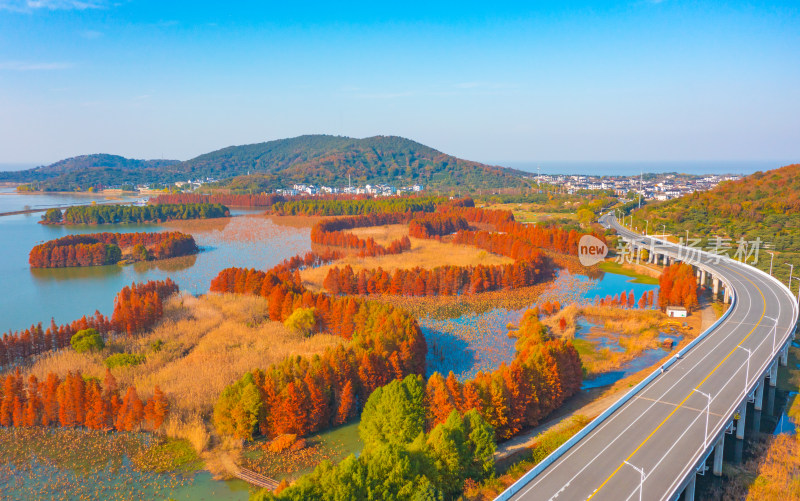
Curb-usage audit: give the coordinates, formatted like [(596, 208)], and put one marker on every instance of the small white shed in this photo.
[(676, 311)]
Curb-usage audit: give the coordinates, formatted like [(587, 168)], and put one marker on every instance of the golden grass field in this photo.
[(207, 343), (635, 331), (531, 212), (423, 253)]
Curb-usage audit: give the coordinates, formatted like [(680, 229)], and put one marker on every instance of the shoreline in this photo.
[(45, 209)]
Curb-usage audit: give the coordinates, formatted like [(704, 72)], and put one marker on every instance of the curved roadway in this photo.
[(661, 430)]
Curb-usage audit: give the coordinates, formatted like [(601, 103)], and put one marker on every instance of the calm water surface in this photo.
[(35, 295), (11, 201), (479, 342), (472, 342)]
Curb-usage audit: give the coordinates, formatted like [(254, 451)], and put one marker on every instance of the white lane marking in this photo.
[(596, 432), (672, 404), (757, 373), (696, 456), (560, 491)]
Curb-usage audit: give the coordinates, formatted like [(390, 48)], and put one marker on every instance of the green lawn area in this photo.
[(638, 278)]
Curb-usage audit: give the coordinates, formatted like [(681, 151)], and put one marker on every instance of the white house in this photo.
[(676, 311)]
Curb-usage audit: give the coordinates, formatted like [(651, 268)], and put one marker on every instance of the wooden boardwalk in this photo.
[(256, 479)]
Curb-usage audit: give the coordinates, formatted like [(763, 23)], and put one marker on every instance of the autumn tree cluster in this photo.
[(476, 215), (107, 214), (227, 199), (400, 460), (678, 287), (139, 306), (74, 250), (346, 205), (442, 280), (18, 346), (544, 372), (302, 395), (519, 241), (433, 225), (627, 300), (76, 401), (97, 249), (330, 232), (309, 260)]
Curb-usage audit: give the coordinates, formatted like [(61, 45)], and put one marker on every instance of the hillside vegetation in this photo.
[(93, 170), (315, 159), (330, 159), (764, 205)]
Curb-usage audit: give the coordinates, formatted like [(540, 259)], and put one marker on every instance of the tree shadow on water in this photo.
[(448, 352)]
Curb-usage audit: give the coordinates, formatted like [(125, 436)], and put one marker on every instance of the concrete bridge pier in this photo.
[(699, 282), (784, 358), (770, 401), (715, 285), (719, 449), (773, 374), (756, 421), (742, 420), (759, 404), (688, 491), (703, 278)]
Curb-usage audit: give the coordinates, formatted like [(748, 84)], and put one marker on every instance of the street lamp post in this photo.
[(774, 332), (708, 412), (771, 259), (791, 271), (664, 231), (687, 237), (747, 373), (646, 226), (798, 289), (641, 478)]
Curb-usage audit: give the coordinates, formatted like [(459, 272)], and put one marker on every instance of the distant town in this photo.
[(649, 186)]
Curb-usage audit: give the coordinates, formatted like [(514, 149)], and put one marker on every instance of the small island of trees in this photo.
[(98, 249), (121, 214)]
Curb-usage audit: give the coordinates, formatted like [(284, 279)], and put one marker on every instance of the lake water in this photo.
[(11, 201), (471, 342), (479, 342), (35, 295)]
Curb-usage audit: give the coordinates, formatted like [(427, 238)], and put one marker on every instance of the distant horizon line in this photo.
[(625, 167)]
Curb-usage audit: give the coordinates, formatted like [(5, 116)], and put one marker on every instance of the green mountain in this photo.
[(329, 160), (763, 207), (91, 170), (315, 159)]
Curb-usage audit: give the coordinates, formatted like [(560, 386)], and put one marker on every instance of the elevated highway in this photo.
[(654, 440)]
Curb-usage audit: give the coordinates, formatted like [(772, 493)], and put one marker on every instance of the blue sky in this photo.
[(537, 81)]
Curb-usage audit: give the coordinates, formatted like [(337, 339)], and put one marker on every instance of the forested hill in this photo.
[(764, 205), (328, 160), (314, 159), (91, 170)]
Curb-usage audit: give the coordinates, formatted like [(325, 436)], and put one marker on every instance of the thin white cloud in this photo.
[(33, 5), (91, 34), (29, 66)]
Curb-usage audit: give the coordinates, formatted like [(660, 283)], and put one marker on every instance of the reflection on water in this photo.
[(606, 340), (479, 342), (170, 265), (11, 201), (77, 274), (247, 240)]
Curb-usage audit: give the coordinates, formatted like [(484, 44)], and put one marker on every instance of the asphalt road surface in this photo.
[(662, 430)]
